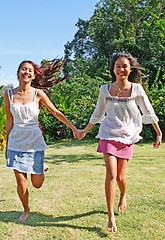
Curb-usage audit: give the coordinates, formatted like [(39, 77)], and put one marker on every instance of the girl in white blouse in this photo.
[(117, 111), (25, 143)]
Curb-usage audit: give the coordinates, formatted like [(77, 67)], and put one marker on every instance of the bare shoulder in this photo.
[(6, 94), (44, 99), (10, 91), (6, 100), (41, 94)]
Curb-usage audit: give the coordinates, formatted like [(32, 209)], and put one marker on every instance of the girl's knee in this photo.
[(120, 178), (111, 176), (37, 185), (37, 180)]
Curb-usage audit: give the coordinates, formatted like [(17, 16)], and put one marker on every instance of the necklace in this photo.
[(120, 90)]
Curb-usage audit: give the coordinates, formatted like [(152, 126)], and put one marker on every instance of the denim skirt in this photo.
[(26, 162)]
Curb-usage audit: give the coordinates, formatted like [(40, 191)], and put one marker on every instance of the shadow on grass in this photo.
[(73, 143), (71, 158), (41, 220)]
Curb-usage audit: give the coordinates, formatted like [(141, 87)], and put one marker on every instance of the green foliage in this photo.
[(2, 90), (156, 95), (134, 26), (2, 127), (76, 99), (2, 120), (2, 111), (2, 142)]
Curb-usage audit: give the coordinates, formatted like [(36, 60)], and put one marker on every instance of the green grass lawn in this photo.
[(71, 204)]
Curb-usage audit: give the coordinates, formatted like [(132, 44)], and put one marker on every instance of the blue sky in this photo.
[(36, 30)]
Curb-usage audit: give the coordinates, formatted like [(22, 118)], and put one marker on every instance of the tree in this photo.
[(134, 26)]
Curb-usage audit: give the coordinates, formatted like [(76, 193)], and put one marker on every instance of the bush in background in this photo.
[(156, 95), (77, 98)]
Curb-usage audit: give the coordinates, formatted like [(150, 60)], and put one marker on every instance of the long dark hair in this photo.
[(45, 74), (135, 74)]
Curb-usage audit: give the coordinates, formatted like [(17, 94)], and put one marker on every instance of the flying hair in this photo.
[(46, 74)]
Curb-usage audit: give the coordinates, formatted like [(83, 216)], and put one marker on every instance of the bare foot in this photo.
[(111, 224), (46, 168), (24, 217), (122, 204)]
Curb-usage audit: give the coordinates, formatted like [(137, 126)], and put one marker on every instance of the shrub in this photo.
[(76, 99), (156, 95)]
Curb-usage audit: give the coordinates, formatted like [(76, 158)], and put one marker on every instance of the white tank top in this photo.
[(25, 135)]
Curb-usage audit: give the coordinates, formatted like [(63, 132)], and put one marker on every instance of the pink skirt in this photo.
[(117, 149)]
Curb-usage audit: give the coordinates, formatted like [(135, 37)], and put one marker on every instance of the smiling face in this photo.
[(122, 68), (26, 72)]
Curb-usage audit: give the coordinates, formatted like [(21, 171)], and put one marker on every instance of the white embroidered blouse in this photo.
[(25, 135), (120, 117)]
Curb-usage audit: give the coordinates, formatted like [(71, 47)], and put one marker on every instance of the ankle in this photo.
[(27, 209)]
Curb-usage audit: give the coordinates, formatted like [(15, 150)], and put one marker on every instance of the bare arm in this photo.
[(88, 127), (43, 98), (159, 135), (82, 133), (9, 118)]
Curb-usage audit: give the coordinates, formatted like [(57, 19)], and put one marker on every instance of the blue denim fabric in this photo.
[(26, 162)]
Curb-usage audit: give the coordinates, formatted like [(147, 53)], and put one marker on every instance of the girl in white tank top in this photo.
[(25, 143)]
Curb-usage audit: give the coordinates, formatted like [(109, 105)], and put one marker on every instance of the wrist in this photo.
[(73, 128), (85, 131)]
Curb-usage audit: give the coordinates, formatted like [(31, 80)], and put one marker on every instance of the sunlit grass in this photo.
[(71, 204)]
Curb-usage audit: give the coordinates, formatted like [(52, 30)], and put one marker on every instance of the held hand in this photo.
[(78, 134), (82, 134), (75, 132), (158, 141)]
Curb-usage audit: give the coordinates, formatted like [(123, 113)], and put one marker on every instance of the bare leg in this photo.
[(110, 183), (23, 194), (37, 180), (122, 183)]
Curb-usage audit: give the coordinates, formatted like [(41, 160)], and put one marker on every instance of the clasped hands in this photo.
[(80, 134)]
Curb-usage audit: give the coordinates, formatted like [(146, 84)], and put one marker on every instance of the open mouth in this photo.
[(26, 76)]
